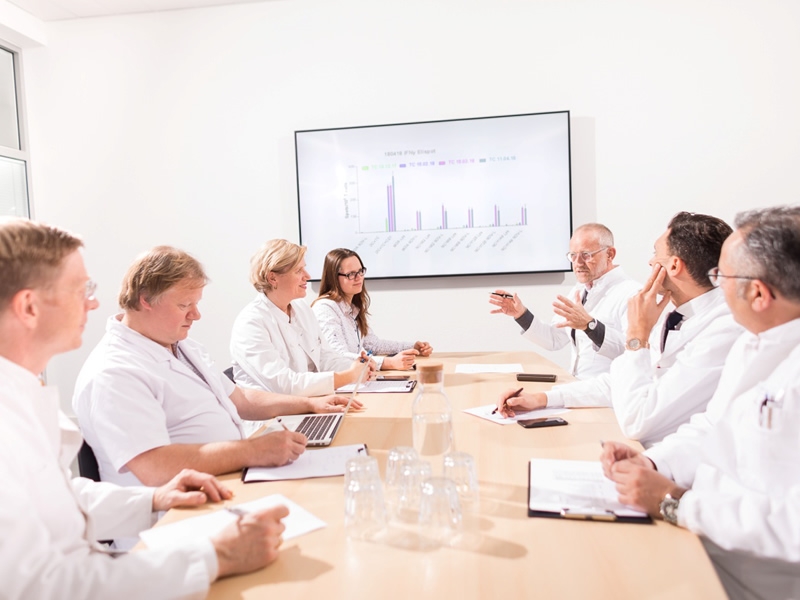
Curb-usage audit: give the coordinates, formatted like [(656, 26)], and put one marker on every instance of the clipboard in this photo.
[(576, 490)]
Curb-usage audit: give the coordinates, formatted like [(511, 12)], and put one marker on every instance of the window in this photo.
[(13, 153)]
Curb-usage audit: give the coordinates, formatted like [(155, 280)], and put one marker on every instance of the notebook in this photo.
[(320, 429)]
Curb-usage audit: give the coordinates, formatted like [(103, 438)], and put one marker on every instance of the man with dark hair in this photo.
[(670, 371), (51, 522), (730, 475)]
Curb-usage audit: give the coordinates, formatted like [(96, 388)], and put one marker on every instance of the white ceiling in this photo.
[(59, 10)]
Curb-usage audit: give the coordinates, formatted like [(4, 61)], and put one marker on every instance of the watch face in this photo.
[(634, 344), (592, 324), (669, 509)]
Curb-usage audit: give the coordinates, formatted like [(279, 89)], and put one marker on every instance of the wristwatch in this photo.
[(636, 344), (669, 509), (592, 325)]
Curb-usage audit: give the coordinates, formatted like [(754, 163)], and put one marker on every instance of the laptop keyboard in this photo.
[(316, 427)]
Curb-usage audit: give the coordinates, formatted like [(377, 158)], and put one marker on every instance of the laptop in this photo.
[(320, 429)]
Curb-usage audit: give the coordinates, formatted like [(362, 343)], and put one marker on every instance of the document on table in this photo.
[(485, 412), (575, 489), (472, 369), (299, 522), (379, 387), (324, 462)]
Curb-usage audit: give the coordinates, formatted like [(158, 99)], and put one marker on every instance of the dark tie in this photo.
[(583, 301), (673, 319)]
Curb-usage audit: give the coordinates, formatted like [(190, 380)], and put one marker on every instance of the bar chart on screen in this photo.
[(436, 201)]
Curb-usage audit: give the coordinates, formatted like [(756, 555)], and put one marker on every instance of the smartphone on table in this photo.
[(542, 422)]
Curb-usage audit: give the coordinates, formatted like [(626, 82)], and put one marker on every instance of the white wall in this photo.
[(178, 128)]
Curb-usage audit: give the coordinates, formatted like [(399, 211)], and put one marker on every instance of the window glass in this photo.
[(13, 188), (9, 123)]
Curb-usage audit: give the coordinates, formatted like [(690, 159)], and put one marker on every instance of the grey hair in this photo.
[(772, 247), (603, 233)]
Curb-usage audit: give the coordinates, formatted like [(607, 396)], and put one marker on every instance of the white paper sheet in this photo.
[(378, 387), (506, 368), (324, 462), (299, 522), (485, 412), (574, 484)]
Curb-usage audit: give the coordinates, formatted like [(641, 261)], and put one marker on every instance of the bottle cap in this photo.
[(431, 372)]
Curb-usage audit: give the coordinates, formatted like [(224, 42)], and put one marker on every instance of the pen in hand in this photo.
[(502, 295), (505, 402), (285, 428)]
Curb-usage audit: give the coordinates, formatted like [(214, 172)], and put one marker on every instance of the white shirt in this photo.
[(50, 522), (743, 475), (653, 392), (337, 320), (133, 395), (607, 302), (273, 353)]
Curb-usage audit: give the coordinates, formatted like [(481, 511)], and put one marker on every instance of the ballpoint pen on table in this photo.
[(505, 402)]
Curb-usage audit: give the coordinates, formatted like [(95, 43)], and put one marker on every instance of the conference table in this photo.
[(502, 552)]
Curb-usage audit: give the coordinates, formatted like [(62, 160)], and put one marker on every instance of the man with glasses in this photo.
[(731, 474), (51, 522), (672, 362), (591, 318)]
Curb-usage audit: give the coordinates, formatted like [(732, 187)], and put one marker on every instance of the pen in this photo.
[(502, 295), (282, 425), (505, 402), (239, 512)]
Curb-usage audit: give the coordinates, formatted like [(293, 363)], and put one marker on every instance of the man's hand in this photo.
[(277, 449), (644, 307), (424, 348), (402, 361), (575, 316), (615, 451), (641, 487), (512, 307), (189, 488), (507, 403), (250, 543), (333, 403)]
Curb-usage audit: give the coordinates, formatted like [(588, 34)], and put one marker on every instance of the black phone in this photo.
[(543, 377), (392, 378), (542, 422)]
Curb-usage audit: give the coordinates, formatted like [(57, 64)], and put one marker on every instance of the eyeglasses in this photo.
[(714, 277), (354, 274), (89, 290), (585, 256)]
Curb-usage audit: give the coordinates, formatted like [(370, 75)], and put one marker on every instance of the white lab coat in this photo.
[(50, 522), (653, 392), (608, 303), (744, 477), (272, 353), (133, 395), (337, 320)]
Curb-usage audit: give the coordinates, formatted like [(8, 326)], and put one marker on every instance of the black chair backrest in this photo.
[(87, 463), (229, 373)]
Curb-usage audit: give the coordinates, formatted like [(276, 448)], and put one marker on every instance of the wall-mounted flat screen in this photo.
[(460, 197)]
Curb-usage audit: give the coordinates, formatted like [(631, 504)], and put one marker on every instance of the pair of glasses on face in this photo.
[(584, 256), (715, 277), (354, 274)]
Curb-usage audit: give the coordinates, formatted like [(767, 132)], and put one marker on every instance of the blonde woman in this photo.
[(276, 343), (342, 309)]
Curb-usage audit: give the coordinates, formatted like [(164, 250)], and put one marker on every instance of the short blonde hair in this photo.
[(155, 272), (31, 255), (276, 256)]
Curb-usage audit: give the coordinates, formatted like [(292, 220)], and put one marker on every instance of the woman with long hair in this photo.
[(342, 309)]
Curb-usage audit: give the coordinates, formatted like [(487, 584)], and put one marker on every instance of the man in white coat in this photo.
[(672, 362), (730, 474), (592, 319), (50, 522), (150, 401)]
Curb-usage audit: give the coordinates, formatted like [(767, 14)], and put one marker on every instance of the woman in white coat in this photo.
[(276, 343), (342, 310)]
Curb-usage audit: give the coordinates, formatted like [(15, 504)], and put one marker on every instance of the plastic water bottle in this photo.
[(432, 418)]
